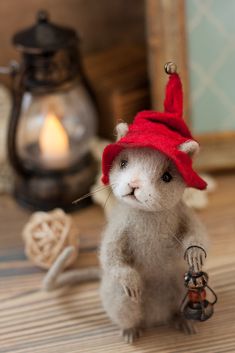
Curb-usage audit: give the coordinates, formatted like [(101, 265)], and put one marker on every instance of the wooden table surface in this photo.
[(72, 319)]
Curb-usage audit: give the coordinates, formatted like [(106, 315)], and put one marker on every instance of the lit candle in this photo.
[(53, 141)]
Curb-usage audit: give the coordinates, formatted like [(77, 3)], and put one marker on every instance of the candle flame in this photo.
[(53, 140)]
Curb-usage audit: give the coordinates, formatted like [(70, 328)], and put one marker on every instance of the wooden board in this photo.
[(119, 80), (72, 319), (100, 24), (217, 151), (166, 39)]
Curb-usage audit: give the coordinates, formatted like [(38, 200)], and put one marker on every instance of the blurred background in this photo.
[(69, 71), (117, 59)]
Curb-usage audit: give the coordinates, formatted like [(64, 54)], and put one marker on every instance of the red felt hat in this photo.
[(162, 131)]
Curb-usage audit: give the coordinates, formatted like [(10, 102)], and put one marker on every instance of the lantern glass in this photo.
[(55, 129)]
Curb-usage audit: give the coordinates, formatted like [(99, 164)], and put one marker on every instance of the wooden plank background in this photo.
[(72, 319), (101, 24)]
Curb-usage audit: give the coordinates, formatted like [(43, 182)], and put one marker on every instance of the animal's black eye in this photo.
[(123, 163), (166, 177)]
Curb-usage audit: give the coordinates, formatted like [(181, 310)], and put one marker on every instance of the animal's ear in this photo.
[(190, 147), (121, 130)]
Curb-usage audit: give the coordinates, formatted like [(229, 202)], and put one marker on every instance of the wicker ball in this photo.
[(46, 235)]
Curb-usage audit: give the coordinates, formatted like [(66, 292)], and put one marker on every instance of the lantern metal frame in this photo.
[(51, 63)]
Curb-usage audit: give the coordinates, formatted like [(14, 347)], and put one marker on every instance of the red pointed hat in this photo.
[(162, 131)]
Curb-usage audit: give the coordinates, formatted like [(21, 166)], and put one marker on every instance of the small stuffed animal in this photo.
[(150, 228)]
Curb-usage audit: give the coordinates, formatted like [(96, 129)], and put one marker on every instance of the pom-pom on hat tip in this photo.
[(170, 68)]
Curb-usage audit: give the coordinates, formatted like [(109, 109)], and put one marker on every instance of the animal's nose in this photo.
[(134, 184)]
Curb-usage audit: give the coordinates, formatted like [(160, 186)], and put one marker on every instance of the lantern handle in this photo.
[(17, 93), (12, 69), (215, 295)]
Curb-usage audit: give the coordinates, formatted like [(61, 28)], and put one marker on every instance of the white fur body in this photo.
[(144, 242)]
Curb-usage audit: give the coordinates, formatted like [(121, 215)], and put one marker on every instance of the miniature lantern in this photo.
[(195, 306)]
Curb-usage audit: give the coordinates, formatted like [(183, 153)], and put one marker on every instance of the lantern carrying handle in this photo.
[(215, 296), (17, 93), (12, 69), (194, 246)]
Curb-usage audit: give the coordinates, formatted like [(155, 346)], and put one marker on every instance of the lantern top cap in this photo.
[(44, 36)]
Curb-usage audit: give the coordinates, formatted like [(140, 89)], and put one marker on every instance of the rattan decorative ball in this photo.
[(46, 235)]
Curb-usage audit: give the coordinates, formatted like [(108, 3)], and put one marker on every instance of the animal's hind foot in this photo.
[(184, 325), (131, 334)]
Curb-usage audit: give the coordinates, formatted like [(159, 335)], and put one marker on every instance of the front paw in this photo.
[(195, 256), (131, 284)]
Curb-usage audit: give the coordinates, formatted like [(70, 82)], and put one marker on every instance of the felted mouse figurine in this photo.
[(150, 228)]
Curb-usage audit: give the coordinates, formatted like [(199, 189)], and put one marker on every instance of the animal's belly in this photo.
[(160, 260), (162, 296)]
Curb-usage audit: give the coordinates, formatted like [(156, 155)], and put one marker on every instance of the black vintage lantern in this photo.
[(53, 119), (195, 305)]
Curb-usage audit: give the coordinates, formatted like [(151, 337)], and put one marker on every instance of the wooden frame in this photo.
[(166, 41)]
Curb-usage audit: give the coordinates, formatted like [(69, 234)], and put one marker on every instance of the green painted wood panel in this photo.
[(211, 49)]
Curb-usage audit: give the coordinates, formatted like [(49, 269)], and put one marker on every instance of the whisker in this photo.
[(106, 201), (100, 188)]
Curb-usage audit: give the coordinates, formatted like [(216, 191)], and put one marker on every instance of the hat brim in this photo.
[(182, 160)]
